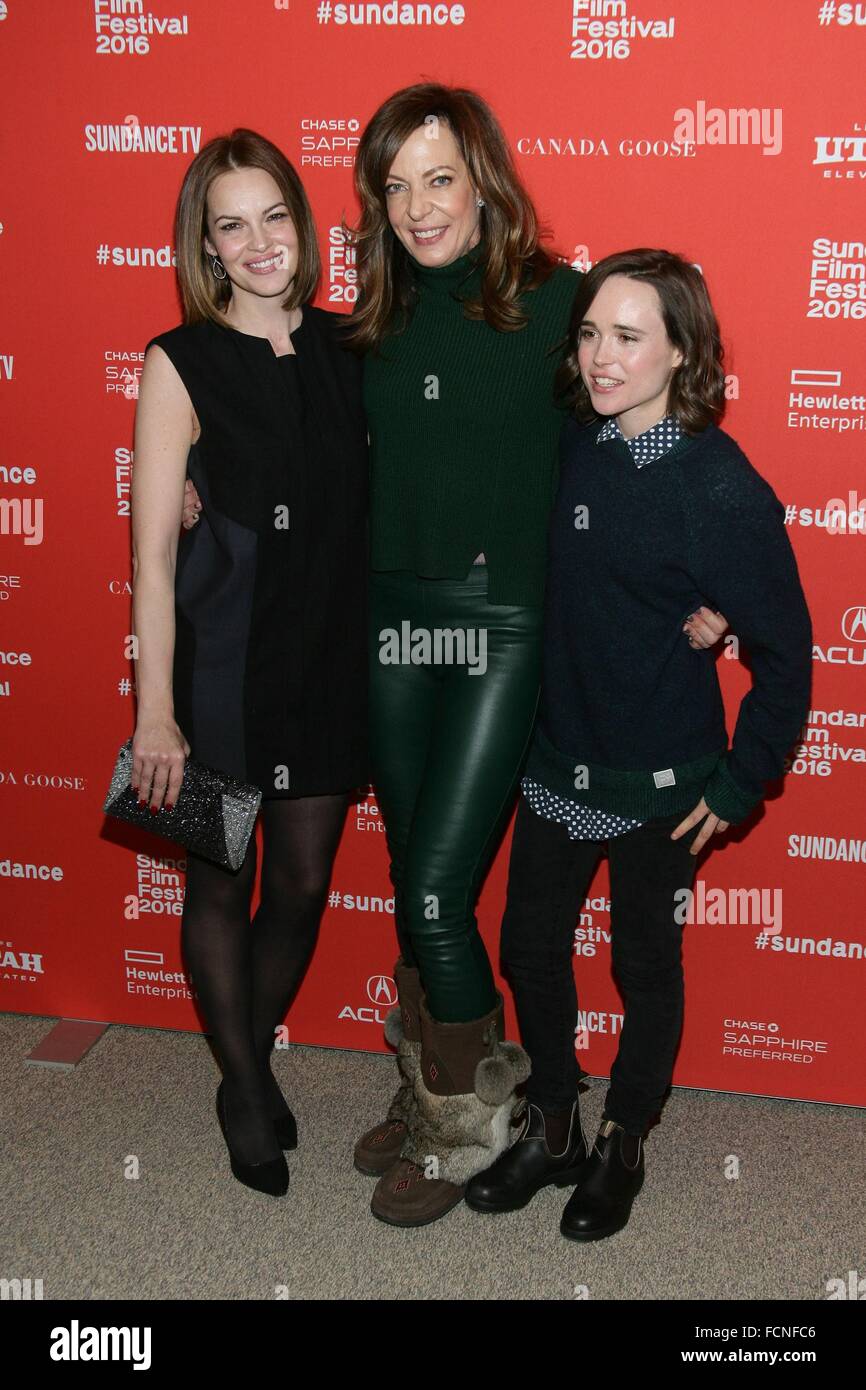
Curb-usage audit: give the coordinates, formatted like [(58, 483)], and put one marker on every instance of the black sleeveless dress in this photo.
[(270, 668)]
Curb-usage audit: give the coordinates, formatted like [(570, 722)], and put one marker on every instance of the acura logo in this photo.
[(381, 989), (854, 623)]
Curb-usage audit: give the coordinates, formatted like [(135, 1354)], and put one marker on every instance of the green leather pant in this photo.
[(448, 740)]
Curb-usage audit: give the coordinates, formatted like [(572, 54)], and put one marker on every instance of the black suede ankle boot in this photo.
[(608, 1184)]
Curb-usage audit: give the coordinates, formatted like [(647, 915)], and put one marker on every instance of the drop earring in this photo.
[(215, 261)]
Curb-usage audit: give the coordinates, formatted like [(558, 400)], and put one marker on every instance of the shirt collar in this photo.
[(650, 445)]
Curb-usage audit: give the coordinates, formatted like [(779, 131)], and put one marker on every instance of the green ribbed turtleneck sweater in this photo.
[(464, 434)]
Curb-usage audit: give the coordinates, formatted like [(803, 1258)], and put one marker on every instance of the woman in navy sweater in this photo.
[(658, 511)]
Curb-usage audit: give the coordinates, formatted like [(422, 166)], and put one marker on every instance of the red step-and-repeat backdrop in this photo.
[(732, 132)]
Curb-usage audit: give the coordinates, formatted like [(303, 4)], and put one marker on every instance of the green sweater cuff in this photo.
[(726, 798)]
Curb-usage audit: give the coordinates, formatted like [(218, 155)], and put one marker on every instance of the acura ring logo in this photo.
[(381, 989), (854, 623)]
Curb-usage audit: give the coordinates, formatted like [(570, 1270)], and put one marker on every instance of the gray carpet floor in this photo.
[(142, 1102)]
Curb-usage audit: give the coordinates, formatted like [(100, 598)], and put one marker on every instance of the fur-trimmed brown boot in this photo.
[(378, 1149), (460, 1120)]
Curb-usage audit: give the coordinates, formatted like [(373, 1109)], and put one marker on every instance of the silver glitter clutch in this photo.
[(214, 814)]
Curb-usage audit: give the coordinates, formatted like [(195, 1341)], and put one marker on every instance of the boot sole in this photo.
[(609, 1230), (421, 1221), (569, 1178)]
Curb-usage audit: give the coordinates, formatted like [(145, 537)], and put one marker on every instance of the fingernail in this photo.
[(141, 801), (169, 805), (153, 810)]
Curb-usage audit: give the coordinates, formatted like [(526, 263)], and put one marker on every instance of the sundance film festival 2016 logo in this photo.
[(342, 271), (604, 29), (125, 27), (159, 888), (123, 480), (837, 279), (819, 750)]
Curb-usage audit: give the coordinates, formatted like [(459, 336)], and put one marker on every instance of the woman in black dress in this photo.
[(251, 626)]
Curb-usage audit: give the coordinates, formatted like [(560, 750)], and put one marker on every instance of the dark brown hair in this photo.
[(696, 395), (204, 296), (514, 260)]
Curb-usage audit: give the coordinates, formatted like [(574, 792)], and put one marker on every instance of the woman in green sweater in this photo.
[(462, 316)]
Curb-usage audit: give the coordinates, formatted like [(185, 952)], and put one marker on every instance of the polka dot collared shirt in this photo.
[(587, 822), (650, 445), (581, 822)]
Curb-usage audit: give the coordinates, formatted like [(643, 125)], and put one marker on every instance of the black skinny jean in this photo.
[(548, 877)]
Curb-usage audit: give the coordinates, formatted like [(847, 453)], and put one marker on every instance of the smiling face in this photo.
[(430, 200), (625, 357), (252, 232)]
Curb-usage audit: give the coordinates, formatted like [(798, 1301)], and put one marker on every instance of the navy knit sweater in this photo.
[(631, 718)]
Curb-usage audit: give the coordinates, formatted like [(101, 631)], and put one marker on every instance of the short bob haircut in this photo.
[(696, 394), (514, 260), (203, 295)]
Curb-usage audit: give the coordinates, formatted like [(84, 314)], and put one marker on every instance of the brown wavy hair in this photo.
[(514, 260), (204, 296), (696, 395)]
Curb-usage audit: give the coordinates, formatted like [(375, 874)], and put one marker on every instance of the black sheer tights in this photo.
[(246, 973)]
